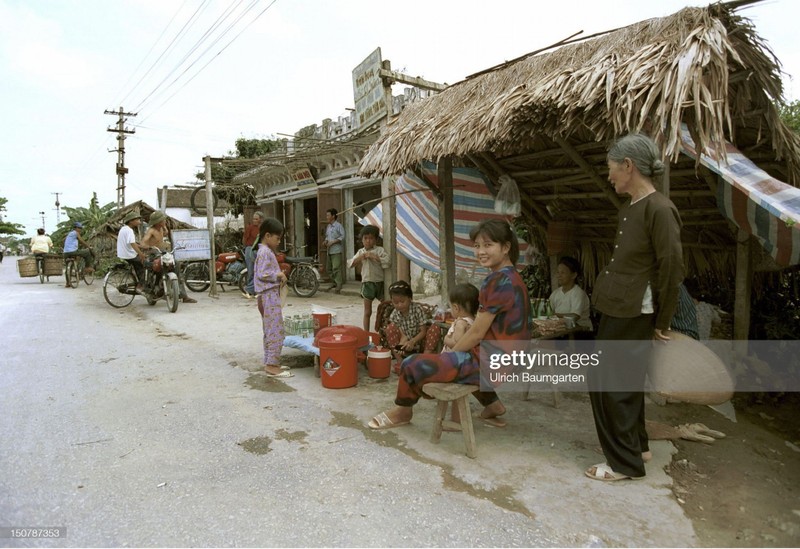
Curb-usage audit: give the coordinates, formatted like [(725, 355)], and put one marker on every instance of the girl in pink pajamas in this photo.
[(267, 279)]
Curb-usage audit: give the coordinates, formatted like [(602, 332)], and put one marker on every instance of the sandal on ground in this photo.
[(284, 367), (494, 421), (382, 421), (188, 300), (603, 472), (284, 373)]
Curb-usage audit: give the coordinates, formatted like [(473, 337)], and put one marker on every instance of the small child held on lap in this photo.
[(463, 306), (373, 260)]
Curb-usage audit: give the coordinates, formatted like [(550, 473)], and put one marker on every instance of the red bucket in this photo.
[(379, 363), (321, 320), (337, 361)]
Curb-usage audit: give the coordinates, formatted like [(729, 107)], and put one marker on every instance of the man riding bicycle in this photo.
[(72, 248), (128, 249)]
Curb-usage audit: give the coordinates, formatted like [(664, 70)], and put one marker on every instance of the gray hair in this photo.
[(258, 215), (641, 150)]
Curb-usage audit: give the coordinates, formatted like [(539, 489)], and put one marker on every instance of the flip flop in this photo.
[(703, 430), (494, 421), (284, 367), (603, 472), (284, 373), (382, 421)]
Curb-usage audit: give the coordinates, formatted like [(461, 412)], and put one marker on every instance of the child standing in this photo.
[(463, 306), (268, 279), (373, 260)]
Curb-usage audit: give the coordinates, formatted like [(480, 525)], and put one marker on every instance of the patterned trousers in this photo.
[(269, 305)]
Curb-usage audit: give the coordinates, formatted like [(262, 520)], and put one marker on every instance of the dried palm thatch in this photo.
[(705, 67)]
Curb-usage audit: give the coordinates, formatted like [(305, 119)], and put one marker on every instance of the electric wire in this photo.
[(214, 57), (120, 102)]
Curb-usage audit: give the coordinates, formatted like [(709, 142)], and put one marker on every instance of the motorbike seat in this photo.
[(292, 260)]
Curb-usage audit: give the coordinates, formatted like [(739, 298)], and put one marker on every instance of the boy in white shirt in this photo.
[(373, 260)]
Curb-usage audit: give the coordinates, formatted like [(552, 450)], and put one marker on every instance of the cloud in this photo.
[(34, 51)]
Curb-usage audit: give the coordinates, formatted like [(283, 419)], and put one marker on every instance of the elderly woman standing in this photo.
[(637, 294)]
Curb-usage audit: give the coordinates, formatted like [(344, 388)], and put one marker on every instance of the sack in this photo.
[(508, 201)]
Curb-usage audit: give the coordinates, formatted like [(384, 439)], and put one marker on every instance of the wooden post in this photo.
[(212, 271), (447, 255), (744, 275), (388, 206)]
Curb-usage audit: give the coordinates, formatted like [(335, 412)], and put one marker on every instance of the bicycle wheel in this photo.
[(72, 273), (305, 282), (119, 288), (243, 280), (171, 292), (196, 276), (200, 209), (88, 278)]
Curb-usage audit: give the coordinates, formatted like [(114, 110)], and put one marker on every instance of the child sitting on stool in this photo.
[(408, 325)]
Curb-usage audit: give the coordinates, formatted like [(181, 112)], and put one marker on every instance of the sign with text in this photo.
[(368, 90), (191, 244), (302, 176)]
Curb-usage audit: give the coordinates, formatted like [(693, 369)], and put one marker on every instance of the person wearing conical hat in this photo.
[(154, 238), (128, 249)]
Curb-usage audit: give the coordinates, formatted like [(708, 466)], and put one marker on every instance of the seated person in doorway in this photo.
[(373, 260), (154, 238), (408, 324), (128, 249), (41, 243), (72, 248), (463, 306), (569, 299)]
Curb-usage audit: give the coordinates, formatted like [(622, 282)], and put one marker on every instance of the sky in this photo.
[(259, 73)]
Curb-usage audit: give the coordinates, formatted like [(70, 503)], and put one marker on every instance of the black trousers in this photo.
[(619, 414)]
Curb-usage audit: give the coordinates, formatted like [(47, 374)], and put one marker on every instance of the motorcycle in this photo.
[(229, 267), (302, 274)]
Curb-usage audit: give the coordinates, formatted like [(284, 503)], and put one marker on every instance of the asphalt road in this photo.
[(138, 427)]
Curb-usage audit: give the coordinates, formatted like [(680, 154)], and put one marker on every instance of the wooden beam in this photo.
[(447, 238), (394, 76), (495, 165), (578, 159), (744, 277)]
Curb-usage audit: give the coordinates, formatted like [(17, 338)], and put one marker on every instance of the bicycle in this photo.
[(40, 266), (75, 270), (160, 280)]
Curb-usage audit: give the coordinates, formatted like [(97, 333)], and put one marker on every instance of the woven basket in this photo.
[(53, 266), (27, 267)]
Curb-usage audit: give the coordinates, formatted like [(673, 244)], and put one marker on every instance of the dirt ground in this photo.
[(743, 490)]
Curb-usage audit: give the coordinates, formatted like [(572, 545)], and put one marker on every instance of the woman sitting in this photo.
[(504, 317), (569, 300)]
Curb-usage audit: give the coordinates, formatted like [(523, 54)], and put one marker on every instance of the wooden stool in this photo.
[(456, 393)]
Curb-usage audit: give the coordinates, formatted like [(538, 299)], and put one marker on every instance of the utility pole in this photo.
[(43, 227), (58, 209), (120, 130)]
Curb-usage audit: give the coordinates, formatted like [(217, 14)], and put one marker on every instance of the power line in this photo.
[(212, 59)]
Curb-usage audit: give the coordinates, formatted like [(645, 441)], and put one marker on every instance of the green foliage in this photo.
[(5, 227), (790, 113), (222, 173), (92, 218)]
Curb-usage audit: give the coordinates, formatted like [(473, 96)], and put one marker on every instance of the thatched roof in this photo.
[(703, 66)]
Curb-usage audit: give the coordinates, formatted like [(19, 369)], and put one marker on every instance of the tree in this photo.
[(91, 218), (222, 173), (5, 227), (790, 113)]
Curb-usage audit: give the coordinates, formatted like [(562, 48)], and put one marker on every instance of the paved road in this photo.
[(138, 427)]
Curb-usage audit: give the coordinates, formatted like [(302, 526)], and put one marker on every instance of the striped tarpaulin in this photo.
[(418, 218), (754, 200)]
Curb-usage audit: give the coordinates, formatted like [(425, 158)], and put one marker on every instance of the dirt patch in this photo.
[(257, 445), (743, 490), (260, 382)]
